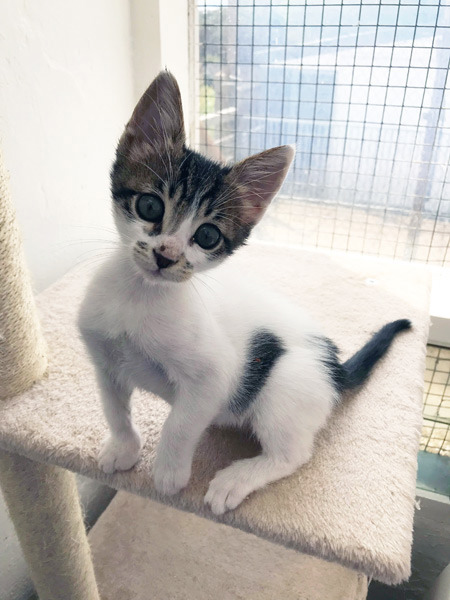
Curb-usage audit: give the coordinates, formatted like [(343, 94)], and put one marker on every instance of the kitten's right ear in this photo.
[(158, 117)]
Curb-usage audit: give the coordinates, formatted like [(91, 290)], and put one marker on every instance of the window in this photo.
[(362, 89)]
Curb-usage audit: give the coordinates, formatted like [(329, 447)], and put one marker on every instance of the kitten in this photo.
[(224, 353)]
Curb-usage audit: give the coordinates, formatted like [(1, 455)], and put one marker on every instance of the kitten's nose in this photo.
[(162, 261)]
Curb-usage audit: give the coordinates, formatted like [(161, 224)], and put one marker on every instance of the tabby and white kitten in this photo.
[(221, 352)]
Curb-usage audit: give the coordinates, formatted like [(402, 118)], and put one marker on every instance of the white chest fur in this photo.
[(173, 325)]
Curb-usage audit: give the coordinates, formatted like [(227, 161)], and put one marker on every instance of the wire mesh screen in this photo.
[(436, 402), (362, 89)]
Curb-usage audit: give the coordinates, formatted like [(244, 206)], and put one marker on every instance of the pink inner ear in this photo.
[(253, 208), (259, 178), (158, 116)]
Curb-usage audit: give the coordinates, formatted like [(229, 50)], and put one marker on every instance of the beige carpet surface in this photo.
[(143, 549), (354, 502)]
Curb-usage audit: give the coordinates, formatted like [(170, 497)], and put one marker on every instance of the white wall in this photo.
[(66, 90), (160, 40)]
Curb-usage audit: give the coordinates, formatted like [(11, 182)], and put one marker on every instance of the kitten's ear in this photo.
[(258, 179), (158, 116)]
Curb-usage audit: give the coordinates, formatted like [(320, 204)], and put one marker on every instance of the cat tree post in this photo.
[(42, 500)]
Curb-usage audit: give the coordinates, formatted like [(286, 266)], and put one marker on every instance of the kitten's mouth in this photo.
[(152, 272)]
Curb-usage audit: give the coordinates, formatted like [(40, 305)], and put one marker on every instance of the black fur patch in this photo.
[(200, 179), (357, 369), (330, 360), (157, 227), (265, 348), (123, 197), (359, 366)]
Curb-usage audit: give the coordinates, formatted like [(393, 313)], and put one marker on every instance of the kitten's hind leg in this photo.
[(232, 485), (286, 416)]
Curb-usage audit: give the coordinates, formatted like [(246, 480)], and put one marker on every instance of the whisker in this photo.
[(208, 287), (67, 243), (188, 154), (235, 222), (102, 228), (199, 295), (248, 184)]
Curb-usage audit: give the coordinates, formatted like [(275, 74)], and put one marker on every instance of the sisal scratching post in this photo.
[(42, 500), (22, 347), (43, 503)]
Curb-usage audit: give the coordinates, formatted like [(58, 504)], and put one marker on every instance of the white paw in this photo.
[(226, 491), (119, 454), (169, 480)]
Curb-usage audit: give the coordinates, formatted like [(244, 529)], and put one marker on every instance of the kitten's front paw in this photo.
[(119, 454), (170, 480), (227, 490)]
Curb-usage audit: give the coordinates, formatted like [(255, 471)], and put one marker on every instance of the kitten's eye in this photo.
[(150, 208), (207, 236)]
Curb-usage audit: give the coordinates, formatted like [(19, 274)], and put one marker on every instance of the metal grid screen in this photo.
[(436, 408), (362, 89)]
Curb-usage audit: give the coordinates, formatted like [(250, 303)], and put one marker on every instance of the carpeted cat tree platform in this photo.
[(344, 517)]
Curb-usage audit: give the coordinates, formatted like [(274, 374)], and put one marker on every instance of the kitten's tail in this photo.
[(357, 368)]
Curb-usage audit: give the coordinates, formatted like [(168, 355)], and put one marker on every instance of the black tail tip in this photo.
[(401, 325)]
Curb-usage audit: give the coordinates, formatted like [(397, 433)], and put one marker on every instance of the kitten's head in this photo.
[(178, 212)]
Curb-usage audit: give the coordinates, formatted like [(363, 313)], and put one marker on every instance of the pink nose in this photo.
[(171, 248), (162, 261)]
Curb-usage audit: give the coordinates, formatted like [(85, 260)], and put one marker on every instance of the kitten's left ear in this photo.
[(258, 179)]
